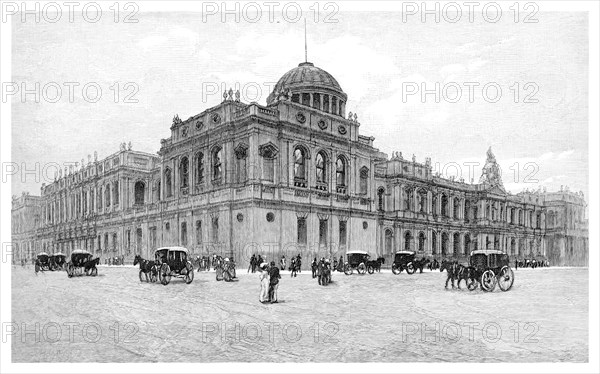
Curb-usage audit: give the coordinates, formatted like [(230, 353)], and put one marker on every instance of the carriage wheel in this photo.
[(472, 284), (370, 269), (142, 276), (165, 274), (361, 269), (219, 274), (410, 268), (347, 269), (189, 277), (506, 278), (395, 269), (153, 274), (488, 281)]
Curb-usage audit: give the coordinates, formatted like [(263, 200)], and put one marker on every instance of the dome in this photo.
[(307, 78)]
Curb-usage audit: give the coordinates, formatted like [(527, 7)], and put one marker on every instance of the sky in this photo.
[(178, 63)]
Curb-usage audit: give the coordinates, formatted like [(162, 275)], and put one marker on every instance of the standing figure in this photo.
[(299, 263), (273, 282), (293, 267), (264, 283), (252, 263), (282, 262), (313, 267)]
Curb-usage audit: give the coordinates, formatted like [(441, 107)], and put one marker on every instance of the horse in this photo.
[(466, 273), (451, 268), (376, 264), (420, 264), (91, 264), (145, 266)]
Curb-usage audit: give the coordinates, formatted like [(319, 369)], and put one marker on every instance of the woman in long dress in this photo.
[(264, 283)]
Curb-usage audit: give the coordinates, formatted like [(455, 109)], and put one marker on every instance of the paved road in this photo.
[(380, 317)]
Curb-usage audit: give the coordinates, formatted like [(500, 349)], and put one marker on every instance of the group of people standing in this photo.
[(269, 282)]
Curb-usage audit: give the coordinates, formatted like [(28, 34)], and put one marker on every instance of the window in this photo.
[(106, 242), (199, 168), (380, 200), (139, 238), (467, 210), (433, 243), (445, 244), (114, 242), (215, 224), (364, 181), (444, 206), (340, 172), (326, 103), (153, 236), (323, 232), (217, 164), (168, 183), (321, 168), (456, 244), (128, 239), (306, 99), (467, 244), (184, 175), (116, 193), (343, 232), (408, 241), (139, 192), (421, 242), (301, 230), (316, 101), (389, 241), (299, 164), (99, 243), (456, 207), (434, 201), (198, 232), (268, 169), (422, 199), (241, 161), (107, 195), (408, 197), (184, 234), (295, 98)]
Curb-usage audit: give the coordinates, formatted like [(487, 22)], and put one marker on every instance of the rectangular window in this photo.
[(268, 169), (114, 242), (152, 237), (128, 239), (342, 232), (184, 234), (215, 230), (301, 230), (139, 238), (323, 232), (198, 232)]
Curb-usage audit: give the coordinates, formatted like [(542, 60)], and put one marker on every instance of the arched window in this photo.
[(107, 195), (421, 241), (139, 192), (512, 246), (300, 167), (115, 193), (389, 238), (444, 206), (434, 200), (321, 168), (184, 174), (445, 243), (433, 243), (217, 163), (168, 183), (538, 220), (380, 200), (340, 172), (456, 244), (456, 208), (408, 196), (408, 241), (199, 168), (467, 247), (422, 200), (364, 180)]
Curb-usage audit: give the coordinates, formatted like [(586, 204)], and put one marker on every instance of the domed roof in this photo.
[(306, 75)]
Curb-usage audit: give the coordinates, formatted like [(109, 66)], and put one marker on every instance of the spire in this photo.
[(305, 45)]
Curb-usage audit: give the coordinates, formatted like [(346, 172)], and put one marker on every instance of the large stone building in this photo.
[(294, 176)]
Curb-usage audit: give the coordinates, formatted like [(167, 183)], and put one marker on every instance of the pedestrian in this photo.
[(313, 267), (293, 267), (273, 282), (299, 263), (252, 265), (282, 262), (264, 283)]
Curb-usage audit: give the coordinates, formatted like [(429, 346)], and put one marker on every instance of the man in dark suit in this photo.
[(273, 282)]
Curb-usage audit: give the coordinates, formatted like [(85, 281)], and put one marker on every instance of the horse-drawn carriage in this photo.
[(58, 261), (403, 260), (173, 262), (42, 262), (356, 260), (82, 262), (490, 267)]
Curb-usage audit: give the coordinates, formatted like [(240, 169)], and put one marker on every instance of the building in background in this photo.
[(294, 176)]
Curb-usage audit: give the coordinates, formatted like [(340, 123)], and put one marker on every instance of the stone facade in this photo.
[(291, 177)]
